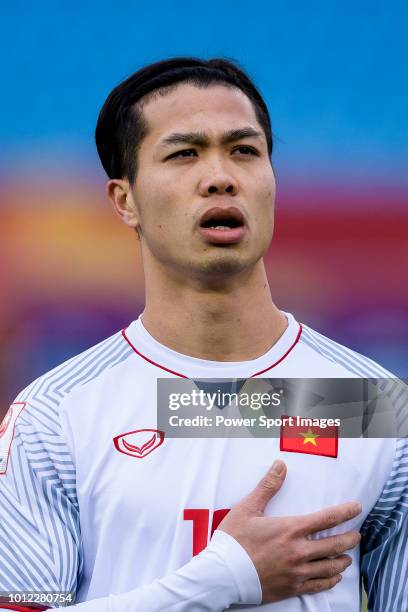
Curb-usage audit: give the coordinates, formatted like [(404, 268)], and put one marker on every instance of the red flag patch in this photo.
[(309, 439)]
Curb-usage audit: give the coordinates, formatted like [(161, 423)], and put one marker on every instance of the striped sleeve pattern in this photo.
[(40, 540), (384, 542)]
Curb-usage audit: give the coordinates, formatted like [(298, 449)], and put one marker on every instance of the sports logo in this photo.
[(139, 443), (7, 433)]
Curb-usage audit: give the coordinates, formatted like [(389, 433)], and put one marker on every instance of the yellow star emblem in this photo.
[(310, 437)]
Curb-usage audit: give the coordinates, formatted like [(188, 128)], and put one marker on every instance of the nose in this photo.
[(219, 183)]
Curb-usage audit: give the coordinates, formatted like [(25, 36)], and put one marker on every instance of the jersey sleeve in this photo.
[(220, 576), (384, 543), (40, 539), (40, 543)]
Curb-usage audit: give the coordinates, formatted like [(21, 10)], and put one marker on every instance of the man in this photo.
[(93, 499)]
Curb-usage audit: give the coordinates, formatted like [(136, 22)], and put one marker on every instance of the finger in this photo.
[(327, 568), (267, 487), (332, 546), (318, 585), (328, 517)]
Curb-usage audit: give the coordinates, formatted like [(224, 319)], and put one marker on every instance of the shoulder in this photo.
[(337, 360), (346, 359), (34, 423), (47, 392)]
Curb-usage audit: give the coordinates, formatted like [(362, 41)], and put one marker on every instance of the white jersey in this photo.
[(113, 518)]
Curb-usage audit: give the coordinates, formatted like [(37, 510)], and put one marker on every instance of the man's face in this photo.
[(205, 189)]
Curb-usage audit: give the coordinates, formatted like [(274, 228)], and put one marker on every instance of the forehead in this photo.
[(212, 109)]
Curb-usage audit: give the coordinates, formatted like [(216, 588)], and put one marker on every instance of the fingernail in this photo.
[(278, 467)]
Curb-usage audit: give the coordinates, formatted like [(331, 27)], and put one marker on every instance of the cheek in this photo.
[(158, 204), (263, 219), (265, 197)]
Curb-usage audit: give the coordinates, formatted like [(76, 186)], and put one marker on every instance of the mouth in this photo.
[(222, 225)]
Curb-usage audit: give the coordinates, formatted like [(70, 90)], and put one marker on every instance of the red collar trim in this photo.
[(150, 360), (162, 367), (283, 356)]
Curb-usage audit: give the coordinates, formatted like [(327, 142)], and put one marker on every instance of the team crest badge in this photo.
[(139, 443), (7, 433)]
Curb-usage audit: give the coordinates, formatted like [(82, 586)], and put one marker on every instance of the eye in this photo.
[(246, 150), (183, 154)]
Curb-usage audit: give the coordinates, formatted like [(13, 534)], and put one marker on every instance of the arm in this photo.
[(221, 575), (384, 544), (41, 546), (40, 541)]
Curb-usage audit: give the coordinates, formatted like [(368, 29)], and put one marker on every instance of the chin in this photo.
[(226, 264)]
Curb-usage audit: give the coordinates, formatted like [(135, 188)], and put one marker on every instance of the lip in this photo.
[(224, 236), (222, 212)]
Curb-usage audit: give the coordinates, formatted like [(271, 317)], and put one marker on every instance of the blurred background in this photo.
[(334, 77)]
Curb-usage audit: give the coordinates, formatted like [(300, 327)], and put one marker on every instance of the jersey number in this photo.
[(201, 520)]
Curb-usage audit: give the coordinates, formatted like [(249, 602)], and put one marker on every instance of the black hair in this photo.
[(121, 127)]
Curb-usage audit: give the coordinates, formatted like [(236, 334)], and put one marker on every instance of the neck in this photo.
[(226, 320)]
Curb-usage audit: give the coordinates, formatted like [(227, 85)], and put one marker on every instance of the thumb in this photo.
[(266, 488)]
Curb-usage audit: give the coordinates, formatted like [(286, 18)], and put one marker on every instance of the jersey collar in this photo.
[(176, 364)]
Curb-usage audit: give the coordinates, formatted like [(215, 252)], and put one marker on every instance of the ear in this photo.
[(120, 194)]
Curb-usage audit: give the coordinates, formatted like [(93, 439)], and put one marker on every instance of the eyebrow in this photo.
[(201, 139)]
